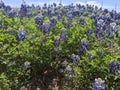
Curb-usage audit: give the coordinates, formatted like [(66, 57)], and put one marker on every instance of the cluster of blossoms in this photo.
[(63, 34), (58, 39), (112, 28), (83, 46), (99, 84), (74, 59), (53, 20), (21, 34), (114, 66), (100, 28), (2, 5), (67, 70), (23, 9), (81, 21), (46, 27), (39, 21), (10, 30)]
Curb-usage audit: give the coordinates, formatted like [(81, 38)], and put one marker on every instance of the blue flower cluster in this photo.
[(9, 30), (114, 66), (21, 34), (46, 27), (112, 29), (83, 46), (2, 5), (98, 84), (74, 59), (39, 21), (81, 21), (63, 34)]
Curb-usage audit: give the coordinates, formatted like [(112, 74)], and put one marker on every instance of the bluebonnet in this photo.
[(66, 24), (89, 31), (84, 42), (98, 84), (10, 30), (21, 34), (63, 34), (81, 21), (46, 27), (2, 5), (114, 66), (74, 59), (54, 4), (100, 24), (57, 41), (83, 46), (12, 13), (23, 10), (53, 20), (7, 9), (112, 28), (59, 16), (45, 6), (100, 28), (75, 13), (105, 11), (39, 20), (70, 17), (69, 72), (44, 12), (86, 14), (27, 65)]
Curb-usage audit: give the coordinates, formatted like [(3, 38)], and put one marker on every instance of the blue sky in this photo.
[(110, 4)]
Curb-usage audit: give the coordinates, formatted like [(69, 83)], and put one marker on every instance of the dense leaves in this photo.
[(77, 41)]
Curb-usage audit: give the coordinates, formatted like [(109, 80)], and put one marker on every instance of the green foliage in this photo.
[(39, 51)]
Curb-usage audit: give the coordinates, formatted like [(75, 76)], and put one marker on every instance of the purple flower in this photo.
[(98, 84), (46, 27), (83, 46), (70, 17), (63, 34), (10, 30), (66, 24), (2, 5), (57, 41), (89, 31), (7, 9), (100, 24), (23, 10), (21, 34), (39, 20), (74, 59), (114, 66), (12, 13), (53, 20), (81, 21)]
